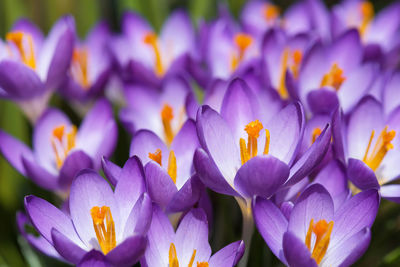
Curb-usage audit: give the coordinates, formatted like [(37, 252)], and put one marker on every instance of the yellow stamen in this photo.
[(322, 231), (28, 57), (172, 168), (271, 12), (156, 156), (79, 66), (253, 132), (166, 117), (382, 146), (62, 143), (202, 264), (151, 40), (333, 78), (367, 15), (297, 58), (173, 258), (315, 133), (192, 259), (267, 140), (105, 233), (242, 42), (282, 80)]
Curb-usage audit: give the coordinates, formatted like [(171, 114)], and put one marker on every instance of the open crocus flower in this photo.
[(170, 178), (188, 246), (372, 140), (33, 65), (160, 54), (60, 149), (90, 67), (316, 234), (334, 74), (380, 30), (161, 111), (113, 223)]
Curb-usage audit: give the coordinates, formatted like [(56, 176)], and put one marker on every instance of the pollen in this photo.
[(382, 145), (333, 78), (322, 231), (271, 12), (250, 150), (166, 117), (24, 43), (151, 40), (62, 143), (104, 227), (253, 128), (315, 133), (156, 156)]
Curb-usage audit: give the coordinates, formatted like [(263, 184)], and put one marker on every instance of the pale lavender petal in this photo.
[(228, 256), (391, 192)]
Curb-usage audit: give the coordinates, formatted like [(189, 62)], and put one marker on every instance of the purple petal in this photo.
[(210, 175), (75, 162), (66, 247), (20, 83), (160, 185), (94, 258), (187, 196), (361, 175), (216, 138), (391, 192), (13, 150), (98, 133), (111, 170), (139, 219), (390, 99), (261, 176), (338, 136), (39, 175), (192, 234), (87, 191), (128, 252), (286, 130), (347, 50), (314, 203), (311, 158), (44, 217), (271, 223), (322, 101), (296, 252), (228, 256)]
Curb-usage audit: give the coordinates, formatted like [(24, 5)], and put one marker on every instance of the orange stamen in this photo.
[(166, 117), (322, 231), (156, 156), (242, 42), (297, 58), (105, 233), (253, 132), (271, 12), (172, 168), (382, 145), (79, 66), (173, 259), (315, 133), (62, 143), (192, 259), (282, 80), (27, 55), (367, 15), (202, 264), (151, 40), (333, 78)]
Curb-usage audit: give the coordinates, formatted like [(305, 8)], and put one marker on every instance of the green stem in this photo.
[(247, 228)]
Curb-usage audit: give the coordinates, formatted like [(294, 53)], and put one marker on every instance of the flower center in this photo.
[(270, 12), (242, 42), (151, 40), (24, 43), (291, 61), (334, 77), (315, 133), (105, 232), (382, 145), (172, 168), (62, 143), (322, 231), (173, 258), (367, 15), (253, 132), (79, 66)]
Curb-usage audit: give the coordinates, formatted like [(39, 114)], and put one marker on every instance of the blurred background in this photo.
[(384, 249)]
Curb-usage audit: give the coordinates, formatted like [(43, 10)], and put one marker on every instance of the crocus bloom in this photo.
[(316, 234), (35, 65), (60, 149), (160, 54), (188, 246), (161, 111), (113, 223), (370, 152), (90, 67)]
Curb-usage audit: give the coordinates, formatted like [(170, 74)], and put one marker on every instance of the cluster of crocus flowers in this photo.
[(295, 113)]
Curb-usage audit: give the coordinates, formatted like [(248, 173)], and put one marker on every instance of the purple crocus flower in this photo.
[(161, 111), (334, 74), (188, 246), (60, 149), (113, 223), (90, 67), (316, 234), (160, 55), (38, 65), (368, 145)]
